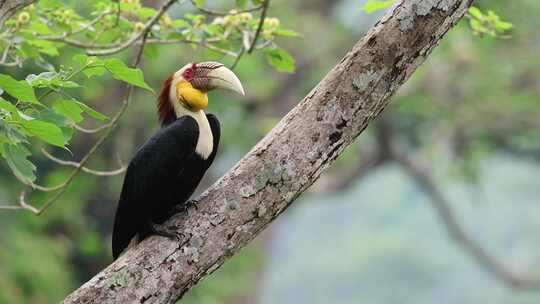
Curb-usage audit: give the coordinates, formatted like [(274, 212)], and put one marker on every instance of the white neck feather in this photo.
[(205, 143)]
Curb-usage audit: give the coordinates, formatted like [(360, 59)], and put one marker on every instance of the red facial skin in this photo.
[(165, 108), (189, 73)]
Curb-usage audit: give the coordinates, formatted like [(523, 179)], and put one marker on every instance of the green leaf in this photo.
[(50, 4), (69, 109), (146, 13), (476, 13), (41, 80), (49, 115), (40, 28), (504, 26), (46, 47), (120, 71), (8, 106), (180, 23), (241, 4), (46, 131), (18, 89), (94, 71), (28, 50), (68, 84), (16, 158), (280, 59), (199, 3), (375, 5), (13, 134), (95, 114), (151, 51), (286, 33)]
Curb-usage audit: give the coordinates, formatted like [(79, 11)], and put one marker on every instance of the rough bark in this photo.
[(283, 165), (9, 7)]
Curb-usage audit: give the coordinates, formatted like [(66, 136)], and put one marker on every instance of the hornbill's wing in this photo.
[(149, 177), (216, 134)]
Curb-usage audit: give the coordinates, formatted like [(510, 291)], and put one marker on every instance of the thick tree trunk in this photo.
[(283, 165)]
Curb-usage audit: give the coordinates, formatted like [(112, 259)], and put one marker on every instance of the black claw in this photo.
[(192, 203), (182, 208)]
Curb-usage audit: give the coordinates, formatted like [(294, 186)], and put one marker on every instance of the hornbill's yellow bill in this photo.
[(166, 170)]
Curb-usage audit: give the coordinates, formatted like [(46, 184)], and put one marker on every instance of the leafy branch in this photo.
[(40, 30)]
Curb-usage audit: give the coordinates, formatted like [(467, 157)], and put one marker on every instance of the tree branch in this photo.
[(61, 188), (139, 36), (283, 165), (83, 168), (265, 4), (218, 13)]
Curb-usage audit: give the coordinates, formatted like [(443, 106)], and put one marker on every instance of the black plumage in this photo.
[(161, 178)]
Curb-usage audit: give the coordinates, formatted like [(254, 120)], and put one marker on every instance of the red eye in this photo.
[(189, 73)]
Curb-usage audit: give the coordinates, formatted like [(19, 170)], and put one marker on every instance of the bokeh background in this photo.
[(452, 167)]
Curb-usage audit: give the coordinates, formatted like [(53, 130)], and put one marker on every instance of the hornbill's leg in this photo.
[(161, 231), (181, 208)]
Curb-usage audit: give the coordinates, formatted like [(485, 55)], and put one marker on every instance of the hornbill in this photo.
[(165, 171)]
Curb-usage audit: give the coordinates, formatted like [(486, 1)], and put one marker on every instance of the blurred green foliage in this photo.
[(41, 31)]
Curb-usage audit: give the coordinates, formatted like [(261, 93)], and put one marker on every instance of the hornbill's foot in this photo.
[(161, 231), (192, 203), (182, 208)]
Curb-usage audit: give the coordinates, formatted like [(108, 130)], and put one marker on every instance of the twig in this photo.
[(91, 131), (425, 180), (259, 28), (89, 24), (237, 59), (204, 44), (108, 47), (135, 37), (6, 51), (218, 13), (245, 46), (17, 62), (114, 122), (84, 169), (63, 36)]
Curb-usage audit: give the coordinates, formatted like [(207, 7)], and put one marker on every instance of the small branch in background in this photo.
[(16, 62), (237, 59), (218, 13), (259, 28), (427, 182), (21, 206), (120, 170), (60, 189), (245, 46), (368, 162), (204, 44), (118, 12), (113, 46), (386, 151), (3, 62), (6, 51), (91, 131), (136, 37)]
